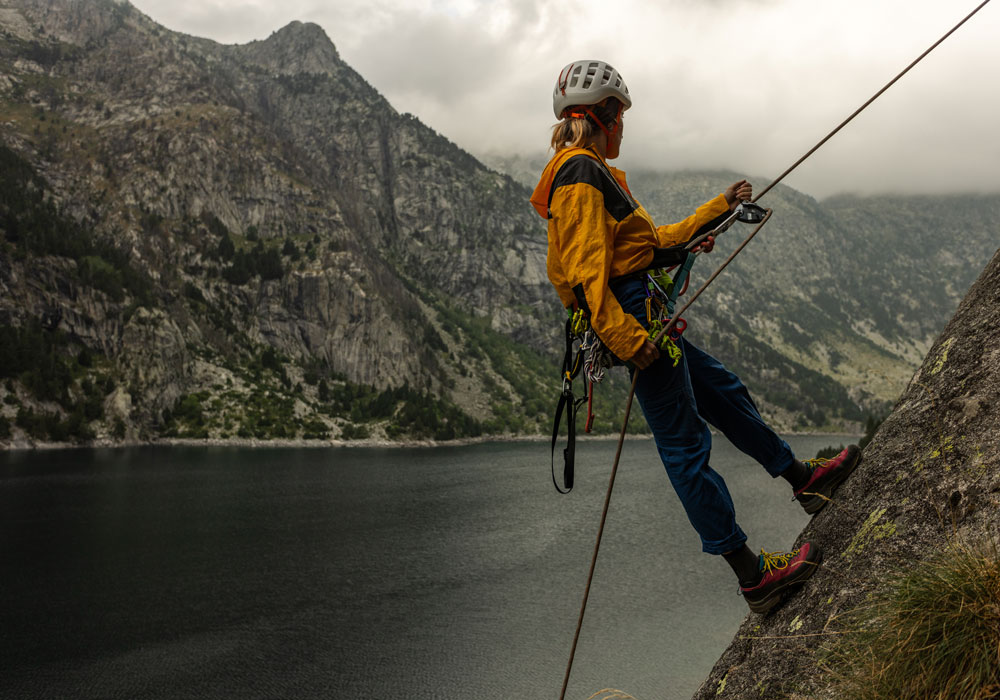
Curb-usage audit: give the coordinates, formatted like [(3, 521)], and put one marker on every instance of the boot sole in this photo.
[(776, 596), (814, 504)]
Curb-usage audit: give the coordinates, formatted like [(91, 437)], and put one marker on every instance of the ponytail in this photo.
[(571, 132), (577, 130)]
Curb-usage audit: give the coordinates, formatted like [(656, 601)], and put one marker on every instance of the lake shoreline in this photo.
[(28, 445)]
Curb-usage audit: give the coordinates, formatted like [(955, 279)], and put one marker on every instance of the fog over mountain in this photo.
[(741, 85)]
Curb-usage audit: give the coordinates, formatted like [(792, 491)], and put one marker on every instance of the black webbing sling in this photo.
[(568, 403)]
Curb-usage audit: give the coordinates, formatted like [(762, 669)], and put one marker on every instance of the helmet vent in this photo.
[(587, 83)]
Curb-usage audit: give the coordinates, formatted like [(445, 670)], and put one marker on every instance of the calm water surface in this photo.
[(406, 574)]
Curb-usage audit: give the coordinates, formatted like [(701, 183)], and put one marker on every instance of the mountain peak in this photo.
[(304, 30), (298, 47)]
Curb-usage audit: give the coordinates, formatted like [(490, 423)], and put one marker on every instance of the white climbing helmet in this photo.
[(587, 83)]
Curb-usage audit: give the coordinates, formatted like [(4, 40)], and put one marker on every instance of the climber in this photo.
[(599, 237)]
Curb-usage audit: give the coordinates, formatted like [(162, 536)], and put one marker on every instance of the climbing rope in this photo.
[(611, 694), (673, 322), (874, 97)]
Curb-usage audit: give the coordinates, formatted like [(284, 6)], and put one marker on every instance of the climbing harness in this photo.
[(749, 214), (665, 285), (585, 351)]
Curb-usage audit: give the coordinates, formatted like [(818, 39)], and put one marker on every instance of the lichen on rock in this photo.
[(878, 524)]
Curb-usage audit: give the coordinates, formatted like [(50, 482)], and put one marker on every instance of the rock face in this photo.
[(167, 147), (931, 474)]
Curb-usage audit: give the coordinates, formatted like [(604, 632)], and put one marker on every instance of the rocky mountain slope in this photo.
[(930, 477), (273, 203), (199, 240)]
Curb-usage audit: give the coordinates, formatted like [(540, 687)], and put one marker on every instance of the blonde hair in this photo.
[(573, 132)]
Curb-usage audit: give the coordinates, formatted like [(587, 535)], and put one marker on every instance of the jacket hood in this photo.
[(540, 197)]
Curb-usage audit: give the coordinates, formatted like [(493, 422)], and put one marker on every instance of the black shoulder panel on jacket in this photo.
[(586, 170)]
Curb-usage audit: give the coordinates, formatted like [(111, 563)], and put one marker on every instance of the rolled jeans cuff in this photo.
[(729, 544), (780, 465)]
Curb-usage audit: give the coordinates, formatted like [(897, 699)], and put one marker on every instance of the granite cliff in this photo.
[(929, 479), (267, 200)]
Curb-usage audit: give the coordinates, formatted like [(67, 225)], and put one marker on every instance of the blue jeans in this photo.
[(677, 402)]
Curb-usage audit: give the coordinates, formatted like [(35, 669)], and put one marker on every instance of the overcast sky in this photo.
[(748, 85)]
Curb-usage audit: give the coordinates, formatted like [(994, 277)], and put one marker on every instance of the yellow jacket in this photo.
[(597, 231)]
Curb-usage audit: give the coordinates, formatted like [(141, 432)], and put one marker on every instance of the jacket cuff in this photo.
[(719, 204), (630, 341)]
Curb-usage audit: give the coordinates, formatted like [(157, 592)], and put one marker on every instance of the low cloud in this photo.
[(747, 85)]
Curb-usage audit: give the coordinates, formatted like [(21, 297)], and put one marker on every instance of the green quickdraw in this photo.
[(578, 322), (666, 343), (656, 326)]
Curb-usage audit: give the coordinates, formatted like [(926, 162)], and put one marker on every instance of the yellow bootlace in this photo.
[(815, 462), (775, 560)]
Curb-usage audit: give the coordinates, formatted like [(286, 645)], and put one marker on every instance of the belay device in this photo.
[(666, 279)]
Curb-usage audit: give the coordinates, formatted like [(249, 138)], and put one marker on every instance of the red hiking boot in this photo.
[(827, 475), (779, 572)]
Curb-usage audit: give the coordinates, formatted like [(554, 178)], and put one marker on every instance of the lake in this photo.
[(423, 573)]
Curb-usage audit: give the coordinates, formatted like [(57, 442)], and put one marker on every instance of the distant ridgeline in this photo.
[(249, 242)]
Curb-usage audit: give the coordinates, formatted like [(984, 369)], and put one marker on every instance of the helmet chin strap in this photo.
[(609, 133)]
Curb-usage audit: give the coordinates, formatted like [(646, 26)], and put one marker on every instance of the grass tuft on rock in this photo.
[(933, 633)]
